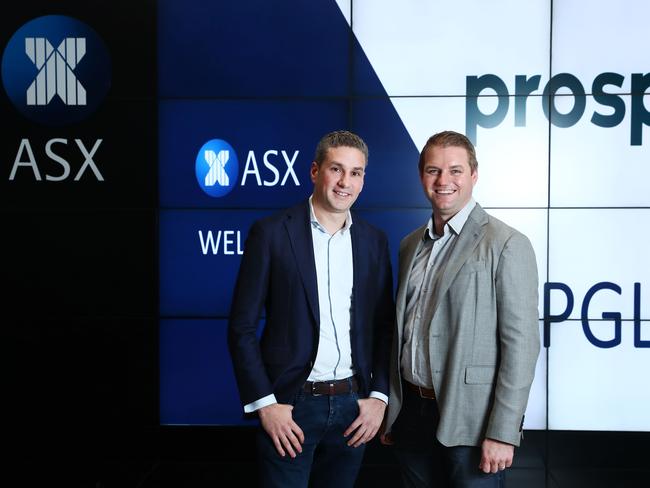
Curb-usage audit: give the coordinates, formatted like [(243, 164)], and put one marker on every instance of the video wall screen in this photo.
[(556, 105)]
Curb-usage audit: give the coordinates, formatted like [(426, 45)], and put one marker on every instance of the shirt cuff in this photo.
[(262, 402), (379, 396)]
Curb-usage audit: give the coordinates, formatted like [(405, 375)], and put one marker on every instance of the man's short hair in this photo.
[(450, 138), (339, 138)]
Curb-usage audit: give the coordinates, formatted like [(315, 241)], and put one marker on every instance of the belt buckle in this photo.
[(313, 389), (423, 394)]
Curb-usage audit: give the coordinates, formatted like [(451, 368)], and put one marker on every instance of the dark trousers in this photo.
[(425, 462), (326, 460)]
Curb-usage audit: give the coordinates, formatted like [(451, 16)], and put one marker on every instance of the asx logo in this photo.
[(56, 70), (613, 114), (26, 161), (217, 168)]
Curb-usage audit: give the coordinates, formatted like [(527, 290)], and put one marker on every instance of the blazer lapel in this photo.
[(298, 228), (472, 233), (360, 274)]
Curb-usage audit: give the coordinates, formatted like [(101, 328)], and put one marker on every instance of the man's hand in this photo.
[(366, 425), (386, 439), (495, 456), (279, 425)]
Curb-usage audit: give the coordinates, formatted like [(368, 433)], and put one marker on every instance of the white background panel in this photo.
[(600, 36), (513, 161), (597, 389), (592, 166), (536, 409), (532, 223), (588, 246), (428, 48), (424, 116)]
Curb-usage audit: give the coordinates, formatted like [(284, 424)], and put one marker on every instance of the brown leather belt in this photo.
[(428, 393), (334, 387)]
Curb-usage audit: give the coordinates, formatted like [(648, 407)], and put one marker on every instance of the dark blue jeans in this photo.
[(326, 460), (425, 462)]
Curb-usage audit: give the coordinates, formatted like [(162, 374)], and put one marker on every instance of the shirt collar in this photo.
[(455, 224), (314, 221)]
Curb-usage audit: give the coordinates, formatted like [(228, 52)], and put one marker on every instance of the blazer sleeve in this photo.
[(518, 334), (247, 304), (384, 316)]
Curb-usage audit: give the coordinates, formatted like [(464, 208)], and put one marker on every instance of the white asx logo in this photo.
[(216, 168), (55, 71), (217, 172)]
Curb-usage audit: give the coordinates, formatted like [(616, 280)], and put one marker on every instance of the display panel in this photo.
[(252, 49), (607, 37), (200, 252), (391, 178), (428, 49), (601, 256), (197, 384), (591, 388), (594, 166), (554, 104)]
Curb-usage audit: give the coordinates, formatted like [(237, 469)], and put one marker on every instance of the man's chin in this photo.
[(343, 206)]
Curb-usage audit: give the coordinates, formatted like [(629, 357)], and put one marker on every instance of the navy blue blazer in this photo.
[(277, 276)]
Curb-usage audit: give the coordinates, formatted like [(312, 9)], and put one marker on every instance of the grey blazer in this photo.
[(484, 334)]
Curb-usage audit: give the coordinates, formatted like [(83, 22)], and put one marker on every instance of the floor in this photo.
[(213, 457)]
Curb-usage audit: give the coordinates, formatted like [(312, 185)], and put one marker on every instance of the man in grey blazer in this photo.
[(466, 340)]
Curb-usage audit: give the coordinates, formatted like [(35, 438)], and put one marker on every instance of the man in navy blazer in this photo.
[(318, 375)]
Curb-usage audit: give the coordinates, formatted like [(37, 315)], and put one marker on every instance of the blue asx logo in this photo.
[(216, 168), (56, 70)]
